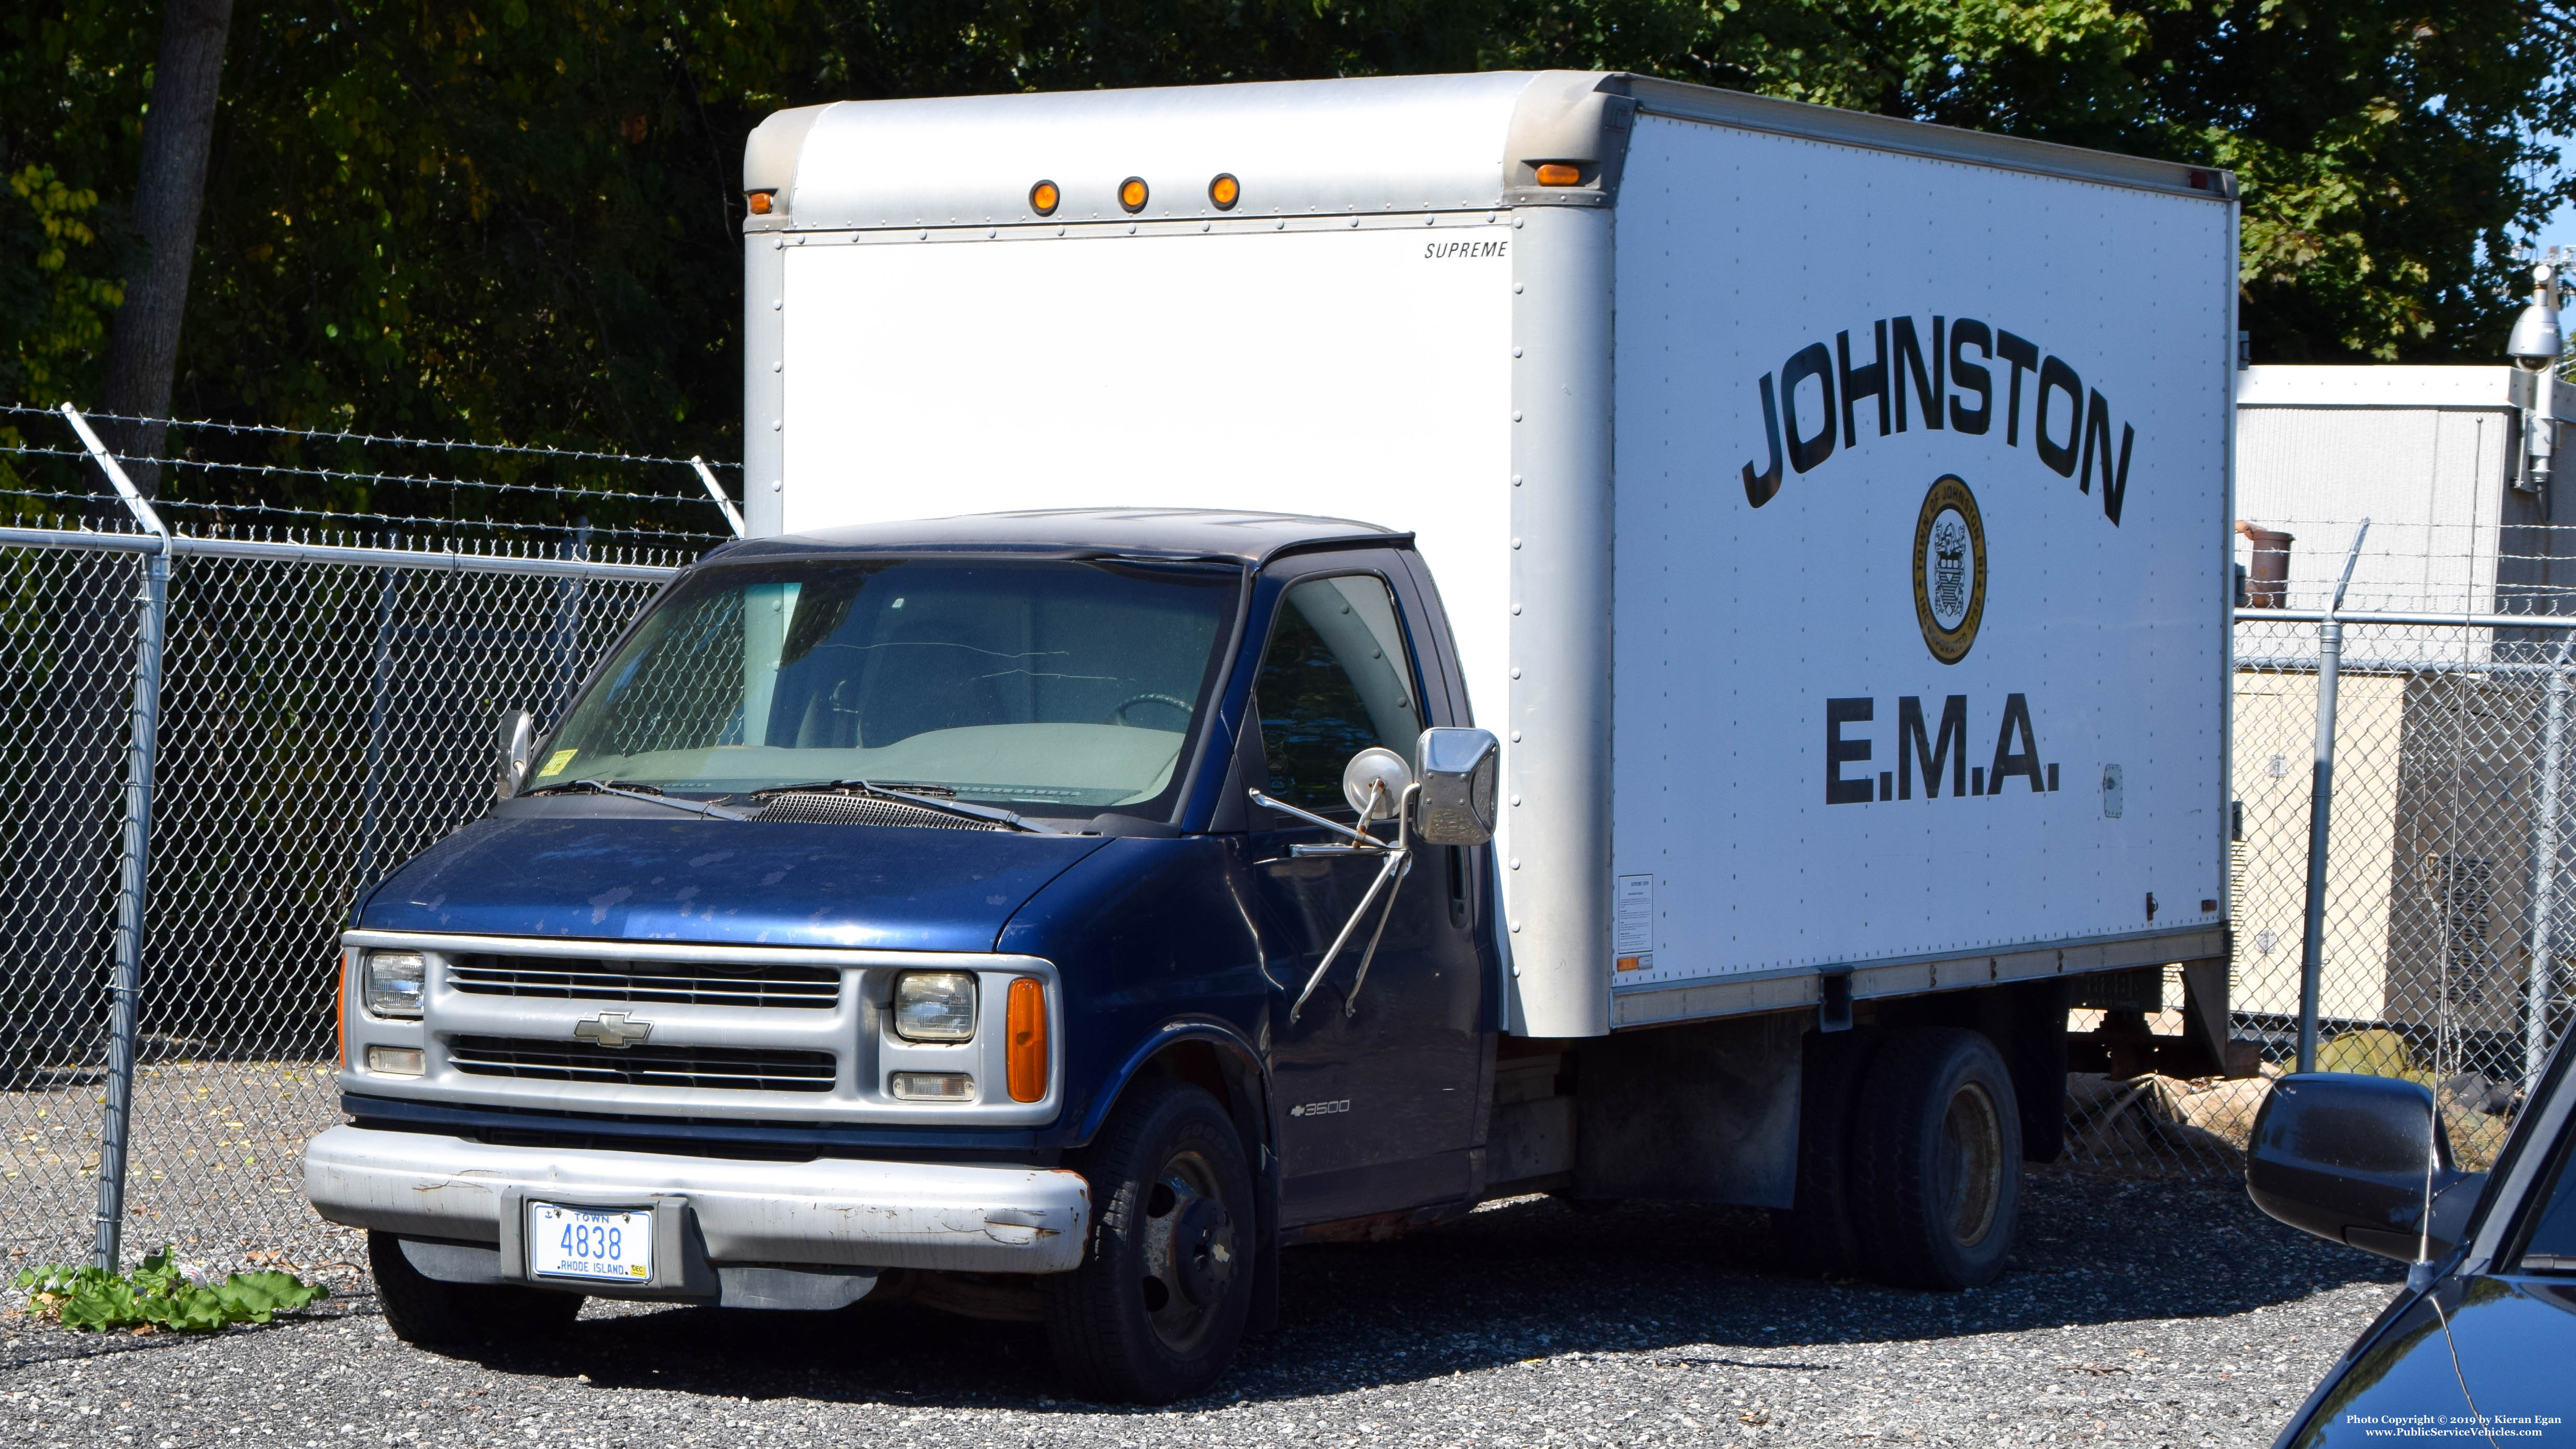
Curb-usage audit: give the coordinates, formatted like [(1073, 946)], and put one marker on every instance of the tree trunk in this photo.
[(143, 344)]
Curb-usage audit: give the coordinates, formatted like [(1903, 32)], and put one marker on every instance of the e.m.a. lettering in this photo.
[(1937, 745), (1943, 376)]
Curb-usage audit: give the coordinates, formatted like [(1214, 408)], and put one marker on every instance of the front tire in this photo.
[(1158, 1306), (1936, 1161), (423, 1310)]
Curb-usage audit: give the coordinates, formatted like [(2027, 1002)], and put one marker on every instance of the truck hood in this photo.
[(748, 883)]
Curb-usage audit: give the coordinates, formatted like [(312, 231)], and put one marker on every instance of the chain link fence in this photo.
[(324, 712), (2447, 929)]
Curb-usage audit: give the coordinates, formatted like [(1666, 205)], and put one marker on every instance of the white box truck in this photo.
[(1318, 653)]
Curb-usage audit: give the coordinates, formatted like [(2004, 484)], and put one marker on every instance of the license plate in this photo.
[(573, 1242)]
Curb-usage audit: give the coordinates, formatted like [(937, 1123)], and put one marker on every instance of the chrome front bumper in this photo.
[(831, 1211)]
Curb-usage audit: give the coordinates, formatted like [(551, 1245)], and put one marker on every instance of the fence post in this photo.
[(380, 680), (715, 490), (2543, 981), (133, 856), (2320, 801)]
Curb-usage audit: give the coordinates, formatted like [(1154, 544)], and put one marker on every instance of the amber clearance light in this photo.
[(1044, 198), (1225, 191), (1131, 194), (1557, 173), (1024, 1033), (759, 201)]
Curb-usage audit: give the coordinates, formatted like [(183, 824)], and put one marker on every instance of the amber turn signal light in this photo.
[(759, 201), (1024, 1030), (1225, 191), (1043, 198), (1131, 194), (1557, 173)]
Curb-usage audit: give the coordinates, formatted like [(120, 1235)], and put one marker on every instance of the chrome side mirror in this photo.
[(1374, 783), (518, 740), (1461, 772)]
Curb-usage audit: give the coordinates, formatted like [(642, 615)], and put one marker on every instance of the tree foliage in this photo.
[(509, 219)]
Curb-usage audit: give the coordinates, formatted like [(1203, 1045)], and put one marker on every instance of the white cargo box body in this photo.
[(1832, 511)]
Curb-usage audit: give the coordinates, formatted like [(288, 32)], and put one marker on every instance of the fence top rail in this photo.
[(2358, 664), (441, 561), (2448, 621)]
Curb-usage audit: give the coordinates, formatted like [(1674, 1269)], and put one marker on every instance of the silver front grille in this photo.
[(739, 1069), (812, 988)]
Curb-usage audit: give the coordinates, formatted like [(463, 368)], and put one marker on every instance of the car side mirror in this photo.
[(2348, 1157), (518, 739), (1374, 783), (1461, 772)]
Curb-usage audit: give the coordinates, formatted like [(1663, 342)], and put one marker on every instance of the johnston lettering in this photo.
[(1926, 376)]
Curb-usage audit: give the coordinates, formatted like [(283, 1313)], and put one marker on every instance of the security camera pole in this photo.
[(2536, 346)]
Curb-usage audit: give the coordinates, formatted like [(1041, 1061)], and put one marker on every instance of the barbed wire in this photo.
[(435, 544), (389, 439), (413, 480), (435, 524)]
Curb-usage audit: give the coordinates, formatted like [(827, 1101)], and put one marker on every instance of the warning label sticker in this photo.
[(1633, 936)]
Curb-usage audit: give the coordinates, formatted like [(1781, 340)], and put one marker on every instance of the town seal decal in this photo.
[(1949, 569)]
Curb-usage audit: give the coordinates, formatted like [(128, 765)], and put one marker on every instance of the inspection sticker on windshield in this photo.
[(572, 1242), (555, 762)]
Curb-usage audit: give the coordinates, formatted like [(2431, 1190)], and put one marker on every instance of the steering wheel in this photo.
[(1132, 700)]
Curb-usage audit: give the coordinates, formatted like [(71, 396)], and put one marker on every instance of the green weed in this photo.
[(159, 1294)]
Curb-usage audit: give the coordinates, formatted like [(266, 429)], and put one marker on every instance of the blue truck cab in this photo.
[(937, 908)]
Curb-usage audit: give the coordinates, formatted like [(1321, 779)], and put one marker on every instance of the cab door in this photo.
[(1376, 1075)]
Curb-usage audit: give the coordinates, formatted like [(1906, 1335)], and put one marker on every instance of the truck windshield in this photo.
[(1052, 686)]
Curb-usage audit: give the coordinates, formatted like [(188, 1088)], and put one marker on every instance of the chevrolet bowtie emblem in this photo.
[(612, 1030)]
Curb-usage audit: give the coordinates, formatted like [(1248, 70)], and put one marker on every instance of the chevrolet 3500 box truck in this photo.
[(1318, 653)]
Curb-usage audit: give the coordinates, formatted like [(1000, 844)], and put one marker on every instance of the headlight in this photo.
[(934, 1006), (394, 983)]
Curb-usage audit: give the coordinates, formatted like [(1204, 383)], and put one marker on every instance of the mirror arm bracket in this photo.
[(1399, 863), (1359, 838)]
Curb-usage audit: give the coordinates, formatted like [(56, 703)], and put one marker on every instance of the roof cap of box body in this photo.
[(1372, 145), (1196, 532)]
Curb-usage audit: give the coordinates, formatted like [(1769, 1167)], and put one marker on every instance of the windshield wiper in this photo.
[(958, 808), (629, 790)]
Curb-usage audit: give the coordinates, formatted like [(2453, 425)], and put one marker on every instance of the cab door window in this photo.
[(1335, 679)]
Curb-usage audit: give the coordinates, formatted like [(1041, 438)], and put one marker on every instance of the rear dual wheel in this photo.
[(1159, 1304), (1909, 1159), (1934, 1172)]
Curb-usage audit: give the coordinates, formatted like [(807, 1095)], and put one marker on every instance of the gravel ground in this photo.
[(2136, 1312)]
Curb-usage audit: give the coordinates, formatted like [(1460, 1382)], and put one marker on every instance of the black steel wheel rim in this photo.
[(1190, 1256)]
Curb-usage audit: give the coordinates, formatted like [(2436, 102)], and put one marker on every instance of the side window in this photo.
[(1335, 679), (2552, 1246)]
